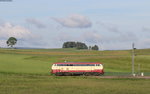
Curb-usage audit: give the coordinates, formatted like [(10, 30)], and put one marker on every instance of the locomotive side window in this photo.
[(83, 65), (76, 65), (69, 64)]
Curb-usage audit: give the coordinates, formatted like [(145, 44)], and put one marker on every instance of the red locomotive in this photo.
[(77, 68)]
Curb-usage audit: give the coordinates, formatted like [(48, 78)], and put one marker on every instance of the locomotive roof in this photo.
[(78, 63)]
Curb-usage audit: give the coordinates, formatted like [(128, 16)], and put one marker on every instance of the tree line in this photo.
[(70, 44), (79, 45)]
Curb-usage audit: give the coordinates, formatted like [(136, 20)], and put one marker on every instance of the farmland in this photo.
[(26, 71)]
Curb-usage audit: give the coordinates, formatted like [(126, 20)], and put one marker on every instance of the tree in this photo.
[(95, 47), (69, 45), (11, 41), (78, 45)]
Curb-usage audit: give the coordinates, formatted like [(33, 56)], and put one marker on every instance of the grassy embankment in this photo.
[(27, 72), (39, 61)]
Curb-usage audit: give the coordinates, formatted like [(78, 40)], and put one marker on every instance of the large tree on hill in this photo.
[(11, 41)]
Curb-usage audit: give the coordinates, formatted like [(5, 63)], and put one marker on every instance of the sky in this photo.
[(110, 24)]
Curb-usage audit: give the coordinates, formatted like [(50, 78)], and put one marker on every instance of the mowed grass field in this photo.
[(26, 71)]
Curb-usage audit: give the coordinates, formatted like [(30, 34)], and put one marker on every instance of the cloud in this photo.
[(36, 23), (63, 37), (122, 38), (109, 27), (114, 41), (74, 21), (145, 29), (144, 43), (2, 43), (95, 37), (23, 35), (9, 30), (92, 37)]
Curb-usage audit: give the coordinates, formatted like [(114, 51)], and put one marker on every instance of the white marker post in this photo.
[(133, 60)]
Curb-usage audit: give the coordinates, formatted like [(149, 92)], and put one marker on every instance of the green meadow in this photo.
[(27, 71)]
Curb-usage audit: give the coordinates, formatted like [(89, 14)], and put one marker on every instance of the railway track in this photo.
[(134, 77)]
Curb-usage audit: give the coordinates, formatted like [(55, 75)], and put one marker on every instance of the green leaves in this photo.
[(11, 41), (78, 45)]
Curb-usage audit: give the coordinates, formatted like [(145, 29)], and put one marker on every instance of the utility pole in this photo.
[(133, 54)]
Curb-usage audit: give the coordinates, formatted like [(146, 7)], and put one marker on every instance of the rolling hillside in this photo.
[(26, 71), (38, 61)]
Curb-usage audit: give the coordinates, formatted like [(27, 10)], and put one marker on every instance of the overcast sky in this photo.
[(110, 24)]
